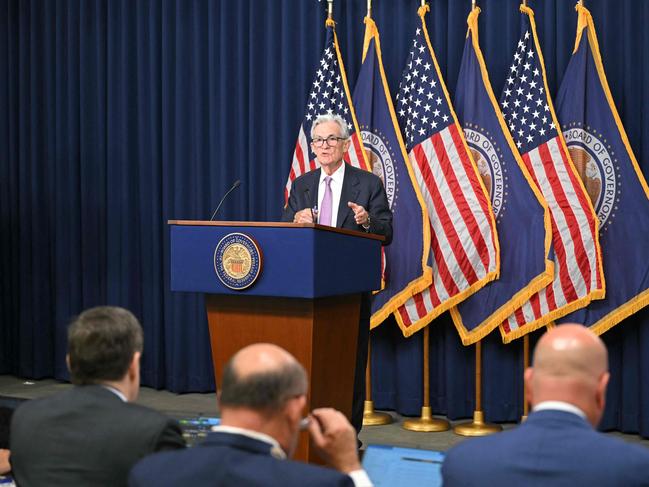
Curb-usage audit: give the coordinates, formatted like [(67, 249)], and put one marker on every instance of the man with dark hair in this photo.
[(91, 434), (557, 445), (262, 398)]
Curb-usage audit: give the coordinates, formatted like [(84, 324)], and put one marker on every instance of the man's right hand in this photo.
[(334, 439), (303, 216)]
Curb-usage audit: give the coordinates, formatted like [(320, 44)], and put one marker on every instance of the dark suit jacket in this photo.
[(551, 448), (86, 436), (360, 187), (232, 460)]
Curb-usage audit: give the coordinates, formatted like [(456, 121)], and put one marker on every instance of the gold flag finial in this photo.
[(330, 9), (369, 9), (472, 4)]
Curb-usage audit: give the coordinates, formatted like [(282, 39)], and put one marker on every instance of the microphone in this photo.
[(236, 184)]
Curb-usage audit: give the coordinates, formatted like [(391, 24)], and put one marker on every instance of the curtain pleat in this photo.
[(116, 116)]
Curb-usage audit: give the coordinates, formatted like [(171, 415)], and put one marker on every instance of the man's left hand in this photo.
[(360, 214)]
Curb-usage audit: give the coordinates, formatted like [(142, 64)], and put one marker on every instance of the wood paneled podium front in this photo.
[(306, 298)]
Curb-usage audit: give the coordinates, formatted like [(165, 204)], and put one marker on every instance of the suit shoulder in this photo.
[(305, 178), (622, 450), (144, 414)]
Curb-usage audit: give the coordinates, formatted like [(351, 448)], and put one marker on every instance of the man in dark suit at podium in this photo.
[(262, 400), (340, 195), (557, 445), (92, 434)]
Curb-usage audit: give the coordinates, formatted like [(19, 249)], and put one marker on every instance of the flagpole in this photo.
[(371, 417), (526, 364), (369, 8), (477, 427), (330, 9), (426, 423)]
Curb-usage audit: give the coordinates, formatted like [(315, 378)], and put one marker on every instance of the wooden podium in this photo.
[(306, 298)]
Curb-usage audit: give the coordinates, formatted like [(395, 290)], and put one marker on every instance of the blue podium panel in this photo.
[(300, 261)]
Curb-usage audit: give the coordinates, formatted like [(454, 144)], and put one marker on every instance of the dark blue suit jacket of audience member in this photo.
[(228, 459), (551, 448)]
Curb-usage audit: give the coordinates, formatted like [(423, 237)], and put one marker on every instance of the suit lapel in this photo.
[(312, 186), (349, 193)]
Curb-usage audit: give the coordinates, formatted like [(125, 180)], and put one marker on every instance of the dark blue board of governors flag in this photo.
[(605, 162), (522, 217), (406, 259)]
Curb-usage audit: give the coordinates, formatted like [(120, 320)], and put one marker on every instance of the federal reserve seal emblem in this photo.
[(237, 261), (382, 162), (597, 167), (488, 161)]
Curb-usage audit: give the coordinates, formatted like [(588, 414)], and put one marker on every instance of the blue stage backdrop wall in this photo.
[(116, 116)]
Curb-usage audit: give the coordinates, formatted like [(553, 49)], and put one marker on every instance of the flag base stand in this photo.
[(372, 418), (426, 423), (477, 427)]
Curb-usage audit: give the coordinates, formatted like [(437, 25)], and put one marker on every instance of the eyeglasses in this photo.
[(331, 141)]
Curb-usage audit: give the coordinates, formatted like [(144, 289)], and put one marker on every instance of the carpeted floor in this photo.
[(185, 406)]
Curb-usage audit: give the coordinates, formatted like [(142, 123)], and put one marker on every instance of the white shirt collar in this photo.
[(117, 392), (337, 176), (275, 451), (559, 406)]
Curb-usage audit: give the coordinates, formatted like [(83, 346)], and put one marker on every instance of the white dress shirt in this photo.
[(117, 392), (336, 190), (559, 406)]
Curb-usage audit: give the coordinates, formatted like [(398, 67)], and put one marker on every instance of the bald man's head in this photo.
[(570, 365), (262, 377)]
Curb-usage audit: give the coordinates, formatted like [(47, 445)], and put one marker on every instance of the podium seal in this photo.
[(237, 261)]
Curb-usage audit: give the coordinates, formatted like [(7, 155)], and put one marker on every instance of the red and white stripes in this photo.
[(463, 236), (574, 230)]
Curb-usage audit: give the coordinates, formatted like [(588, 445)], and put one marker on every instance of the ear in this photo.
[(134, 367), (295, 407), (528, 377), (347, 144), (602, 384)]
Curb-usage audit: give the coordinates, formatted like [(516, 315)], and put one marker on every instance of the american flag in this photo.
[(329, 94), (464, 247), (529, 113)]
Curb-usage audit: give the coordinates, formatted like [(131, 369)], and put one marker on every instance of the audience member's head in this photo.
[(104, 347), (264, 389), (570, 365)]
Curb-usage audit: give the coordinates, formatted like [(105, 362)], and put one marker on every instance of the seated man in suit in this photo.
[(92, 434), (557, 445), (340, 195), (262, 399)]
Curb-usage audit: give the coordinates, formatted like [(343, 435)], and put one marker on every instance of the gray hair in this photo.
[(331, 117), (262, 391)]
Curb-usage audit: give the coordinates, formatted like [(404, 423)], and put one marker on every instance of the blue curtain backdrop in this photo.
[(116, 116)]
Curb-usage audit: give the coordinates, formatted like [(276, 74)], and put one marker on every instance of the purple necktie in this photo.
[(327, 202)]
